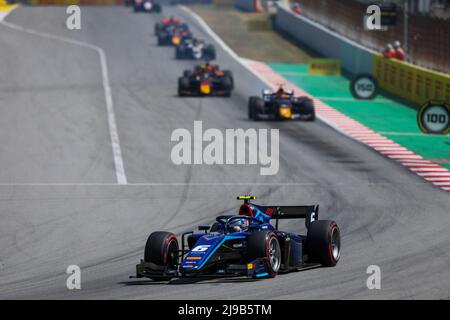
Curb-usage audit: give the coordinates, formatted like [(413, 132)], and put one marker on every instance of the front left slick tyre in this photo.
[(178, 53), (265, 244), (157, 29), (161, 249), (251, 107), (183, 86), (229, 74), (227, 83)]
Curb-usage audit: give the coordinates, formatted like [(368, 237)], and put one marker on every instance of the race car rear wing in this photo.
[(309, 213)]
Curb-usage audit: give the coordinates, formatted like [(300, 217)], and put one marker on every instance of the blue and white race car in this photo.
[(194, 49), (246, 244)]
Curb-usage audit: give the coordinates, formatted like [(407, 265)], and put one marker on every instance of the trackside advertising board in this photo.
[(411, 82), (328, 67)]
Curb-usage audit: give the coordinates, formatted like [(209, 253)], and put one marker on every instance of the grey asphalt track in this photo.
[(59, 204)]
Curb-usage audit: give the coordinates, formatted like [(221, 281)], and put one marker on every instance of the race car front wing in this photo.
[(255, 269)]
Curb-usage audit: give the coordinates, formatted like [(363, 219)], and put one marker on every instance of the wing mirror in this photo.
[(203, 228)]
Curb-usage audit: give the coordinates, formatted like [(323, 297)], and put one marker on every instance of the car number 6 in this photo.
[(201, 248)]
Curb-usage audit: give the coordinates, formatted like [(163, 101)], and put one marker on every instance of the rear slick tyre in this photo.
[(324, 242)]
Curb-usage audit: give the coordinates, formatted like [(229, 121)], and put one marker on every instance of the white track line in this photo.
[(114, 135), (437, 179)]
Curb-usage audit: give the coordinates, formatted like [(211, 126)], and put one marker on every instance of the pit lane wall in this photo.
[(402, 79)]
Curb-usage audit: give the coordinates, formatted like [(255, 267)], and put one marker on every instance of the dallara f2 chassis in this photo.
[(246, 244), (281, 105)]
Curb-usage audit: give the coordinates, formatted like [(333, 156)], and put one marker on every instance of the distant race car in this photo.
[(246, 244), (206, 80), (171, 21), (281, 105), (195, 49), (146, 6), (173, 34)]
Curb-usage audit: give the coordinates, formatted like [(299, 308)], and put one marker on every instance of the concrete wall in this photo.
[(354, 58)]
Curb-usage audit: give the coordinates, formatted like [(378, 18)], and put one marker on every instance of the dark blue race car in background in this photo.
[(244, 245), (280, 105)]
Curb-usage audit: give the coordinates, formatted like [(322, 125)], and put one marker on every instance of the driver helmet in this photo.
[(280, 92), (239, 224)]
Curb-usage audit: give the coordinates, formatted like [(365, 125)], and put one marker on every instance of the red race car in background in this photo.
[(171, 21), (206, 80)]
